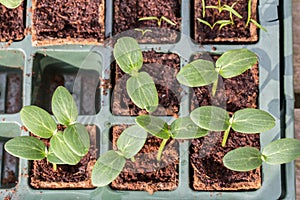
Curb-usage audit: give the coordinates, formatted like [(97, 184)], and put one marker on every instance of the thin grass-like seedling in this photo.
[(159, 20)]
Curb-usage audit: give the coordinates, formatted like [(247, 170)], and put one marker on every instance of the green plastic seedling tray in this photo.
[(274, 49)]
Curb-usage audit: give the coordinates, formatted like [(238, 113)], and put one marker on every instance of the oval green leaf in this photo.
[(38, 121), (131, 141), (185, 128), (62, 151), (234, 62), (107, 168), (281, 151), (9, 130), (27, 147), (77, 138), (52, 158), (243, 159), (128, 55), (211, 118), (63, 106), (252, 120), (142, 91), (154, 125), (11, 3), (197, 73)]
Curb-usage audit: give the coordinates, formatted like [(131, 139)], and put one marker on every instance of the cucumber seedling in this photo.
[(203, 72), (140, 86), (248, 120), (181, 128), (11, 4), (277, 152), (67, 146), (110, 164)]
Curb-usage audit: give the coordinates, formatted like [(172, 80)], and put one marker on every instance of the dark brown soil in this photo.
[(11, 23), (127, 13), (163, 69), (146, 173), (66, 176), (68, 21), (229, 33), (206, 153)]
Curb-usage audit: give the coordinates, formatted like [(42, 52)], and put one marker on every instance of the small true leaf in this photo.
[(52, 158), (107, 168), (38, 121), (128, 54), (234, 62), (148, 18), (63, 106), (185, 128), (168, 20), (231, 10), (142, 91), (197, 73), (281, 151), (211, 118), (77, 138), (154, 125), (62, 151), (252, 120), (11, 3), (243, 159), (26, 147), (205, 22), (131, 141)]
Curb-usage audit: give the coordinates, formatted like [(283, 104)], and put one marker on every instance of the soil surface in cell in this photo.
[(163, 69), (11, 23), (127, 15), (206, 153), (146, 173), (68, 19), (66, 176), (237, 30)]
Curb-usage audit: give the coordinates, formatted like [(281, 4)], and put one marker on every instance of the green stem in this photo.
[(225, 137), (161, 148), (214, 87), (54, 167), (132, 159)]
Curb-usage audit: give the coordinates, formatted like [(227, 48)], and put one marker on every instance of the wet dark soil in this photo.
[(238, 31), (127, 15), (12, 23), (146, 173), (206, 153), (163, 69)]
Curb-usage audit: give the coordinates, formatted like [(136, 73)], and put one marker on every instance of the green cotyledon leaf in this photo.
[(243, 159), (131, 141), (185, 128), (234, 62), (142, 91), (128, 55), (211, 118), (63, 106), (281, 151), (252, 120), (154, 125), (77, 138), (38, 121), (107, 168), (11, 3), (27, 147), (197, 73)]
